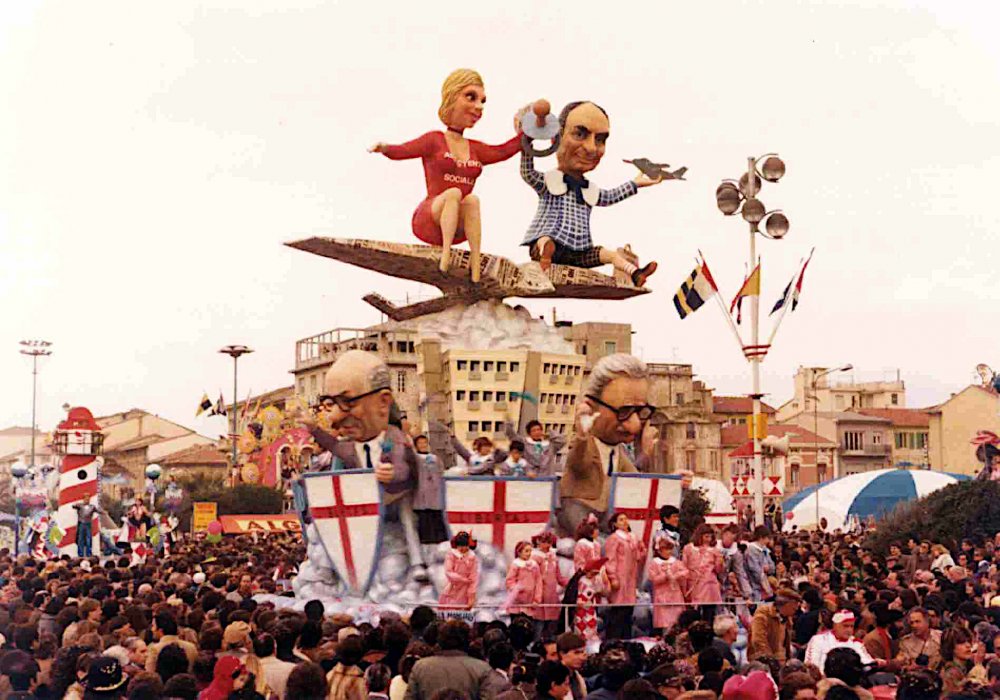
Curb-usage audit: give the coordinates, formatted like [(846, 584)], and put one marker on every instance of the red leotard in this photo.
[(443, 171)]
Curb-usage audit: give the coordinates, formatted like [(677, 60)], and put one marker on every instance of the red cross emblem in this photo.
[(501, 511), (345, 509)]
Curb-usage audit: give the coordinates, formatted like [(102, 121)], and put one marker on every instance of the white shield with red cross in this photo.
[(501, 510), (346, 508), (640, 497)]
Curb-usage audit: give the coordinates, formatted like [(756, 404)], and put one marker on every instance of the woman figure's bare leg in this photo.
[(444, 211), (472, 224)]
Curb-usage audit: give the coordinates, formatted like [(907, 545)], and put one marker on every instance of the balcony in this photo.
[(500, 406), (502, 376), (866, 451), (550, 408), (475, 375), (473, 406), (569, 380), (564, 408), (553, 379)]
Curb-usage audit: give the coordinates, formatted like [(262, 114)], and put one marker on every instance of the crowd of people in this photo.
[(800, 616)]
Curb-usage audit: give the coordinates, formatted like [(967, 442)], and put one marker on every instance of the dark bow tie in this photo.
[(577, 185)]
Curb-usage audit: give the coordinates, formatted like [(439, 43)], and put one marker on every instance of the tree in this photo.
[(694, 507), (244, 499), (966, 509)]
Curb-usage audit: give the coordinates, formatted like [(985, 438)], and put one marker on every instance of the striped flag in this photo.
[(794, 288), (204, 405), (750, 288), (220, 407), (695, 291)]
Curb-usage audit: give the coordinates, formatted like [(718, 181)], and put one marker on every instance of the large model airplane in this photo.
[(500, 277), (656, 171)]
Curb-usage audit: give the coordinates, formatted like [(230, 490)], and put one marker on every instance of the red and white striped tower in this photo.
[(77, 441)]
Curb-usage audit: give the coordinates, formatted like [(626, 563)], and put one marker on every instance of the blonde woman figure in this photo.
[(450, 214)]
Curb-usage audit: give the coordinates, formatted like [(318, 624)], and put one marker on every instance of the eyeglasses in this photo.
[(623, 413), (346, 403)]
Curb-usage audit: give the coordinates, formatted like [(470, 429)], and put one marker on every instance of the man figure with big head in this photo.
[(358, 397), (560, 231), (611, 416)]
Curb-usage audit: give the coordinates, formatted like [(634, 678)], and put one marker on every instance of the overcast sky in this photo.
[(155, 155)]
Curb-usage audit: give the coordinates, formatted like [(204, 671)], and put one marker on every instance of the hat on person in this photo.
[(595, 564), (105, 675), (843, 616), (346, 632), (236, 634), (756, 685), (786, 595), (199, 578)]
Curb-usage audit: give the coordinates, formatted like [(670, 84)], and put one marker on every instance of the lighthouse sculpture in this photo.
[(77, 442)]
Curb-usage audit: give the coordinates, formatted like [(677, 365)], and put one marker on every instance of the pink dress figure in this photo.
[(625, 556), (705, 565), (592, 585), (461, 568), (552, 578), (524, 582), (669, 577)]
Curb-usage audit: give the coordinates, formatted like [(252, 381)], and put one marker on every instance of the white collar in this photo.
[(519, 562), (555, 185), (460, 554), (622, 533), (543, 442)]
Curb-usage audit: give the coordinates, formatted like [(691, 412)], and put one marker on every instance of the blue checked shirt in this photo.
[(560, 216)]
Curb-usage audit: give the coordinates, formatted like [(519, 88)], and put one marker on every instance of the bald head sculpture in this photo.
[(359, 384), (585, 132)]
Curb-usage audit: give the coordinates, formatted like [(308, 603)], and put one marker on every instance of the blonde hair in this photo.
[(453, 85)]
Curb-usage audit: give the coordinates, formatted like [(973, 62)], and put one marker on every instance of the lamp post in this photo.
[(815, 401), (18, 470), (34, 349), (235, 352), (741, 195)]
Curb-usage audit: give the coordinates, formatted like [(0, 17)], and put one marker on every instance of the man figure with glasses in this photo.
[(611, 416), (359, 400)]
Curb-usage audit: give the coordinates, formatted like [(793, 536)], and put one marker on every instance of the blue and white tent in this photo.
[(870, 493)]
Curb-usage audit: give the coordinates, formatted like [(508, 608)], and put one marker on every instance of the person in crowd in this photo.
[(669, 577), (500, 658), (727, 629), (346, 679), (552, 681), (586, 547), (377, 679), (524, 582), (548, 613), (541, 451), (515, 464), (961, 664), (770, 631), (670, 523), (572, 650), (705, 565), (451, 668), (625, 553), (461, 568), (759, 565), (841, 635), (274, 671), (427, 499), (922, 646)]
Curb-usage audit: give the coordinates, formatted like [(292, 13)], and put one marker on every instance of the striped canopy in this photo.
[(870, 493)]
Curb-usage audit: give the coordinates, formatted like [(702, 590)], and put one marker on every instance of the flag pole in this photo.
[(722, 306), (794, 290)]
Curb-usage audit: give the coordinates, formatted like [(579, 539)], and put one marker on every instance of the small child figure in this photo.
[(626, 554), (524, 582), (515, 464), (482, 459), (592, 583), (546, 618), (587, 548), (427, 497), (669, 577), (461, 568)]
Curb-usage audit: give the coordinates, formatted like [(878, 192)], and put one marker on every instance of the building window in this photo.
[(876, 438), (473, 396), (583, 348), (302, 387), (501, 366), (794, 476), (401, 382), (474, 366), (515, 366), (895, 399), (691, 431), (679, 399), (692, 460), (900, 440), (488, 366), (487, 396), (473, 426), (854, 440), (821, 472), (610, 347), (460, 395), (462, 365), (501, 396), (839, 401), (715, 461), (921, 439), (312, 384), (547, 368)]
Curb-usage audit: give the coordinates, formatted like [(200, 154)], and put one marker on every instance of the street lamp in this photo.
[(815, 400), (34, 349), (18, 470), (741, 196), (235, 352)]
